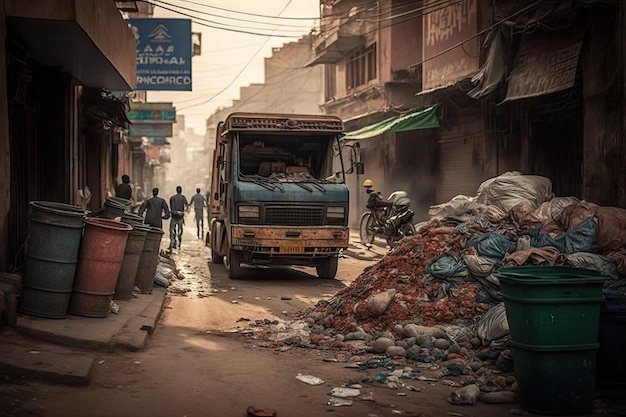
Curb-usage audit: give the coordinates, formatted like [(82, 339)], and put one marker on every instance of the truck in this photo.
[(278, 193)]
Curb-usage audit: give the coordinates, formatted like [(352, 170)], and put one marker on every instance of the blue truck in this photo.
[(278, 193)]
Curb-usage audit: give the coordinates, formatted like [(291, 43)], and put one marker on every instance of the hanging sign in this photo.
[(163, 53)]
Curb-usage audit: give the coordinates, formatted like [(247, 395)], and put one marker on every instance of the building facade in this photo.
[(60, 62), (516, 86)]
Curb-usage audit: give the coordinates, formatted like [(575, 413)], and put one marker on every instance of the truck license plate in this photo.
[(291, 249)]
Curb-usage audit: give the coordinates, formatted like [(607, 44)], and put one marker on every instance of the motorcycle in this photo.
[(390, 223)]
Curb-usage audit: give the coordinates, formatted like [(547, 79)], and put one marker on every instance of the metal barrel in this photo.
[(149, 260), (99, 262), (53, 246), (115, 207), (132, 255)]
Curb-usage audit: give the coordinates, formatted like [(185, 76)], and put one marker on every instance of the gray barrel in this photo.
[(132, 256), (149, 260), (115, 207), (53, 247)]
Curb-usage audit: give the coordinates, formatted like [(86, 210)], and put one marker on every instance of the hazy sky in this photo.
[(231, 58)]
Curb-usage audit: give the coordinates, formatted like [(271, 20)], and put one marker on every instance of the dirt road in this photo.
[(203, 360)]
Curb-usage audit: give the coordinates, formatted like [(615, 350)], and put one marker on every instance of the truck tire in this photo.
[(234, 264), (328, 269), (216, 258)]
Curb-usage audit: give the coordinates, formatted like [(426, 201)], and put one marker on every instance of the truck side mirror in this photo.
[(360, 168)]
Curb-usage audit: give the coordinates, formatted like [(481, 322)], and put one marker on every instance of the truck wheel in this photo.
[(328, 269), (216, 258), (234, 264)]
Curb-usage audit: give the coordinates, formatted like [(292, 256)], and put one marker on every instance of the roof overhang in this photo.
[(88, 39)]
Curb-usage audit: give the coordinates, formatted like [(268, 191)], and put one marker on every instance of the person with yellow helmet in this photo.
[(375, 200)]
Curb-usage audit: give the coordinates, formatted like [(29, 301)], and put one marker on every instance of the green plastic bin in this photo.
[(555, 380), (553, 315), (549, 309)]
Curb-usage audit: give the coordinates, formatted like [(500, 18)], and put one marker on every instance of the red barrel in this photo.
[(101, 254)]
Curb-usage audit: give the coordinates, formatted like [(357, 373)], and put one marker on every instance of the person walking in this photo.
[(179, 205), (156, 210), (124, 190), (198, 201)]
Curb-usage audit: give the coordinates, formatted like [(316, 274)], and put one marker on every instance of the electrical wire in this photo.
[(244, 67)]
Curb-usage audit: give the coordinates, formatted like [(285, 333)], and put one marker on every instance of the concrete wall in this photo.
[(5, 162)]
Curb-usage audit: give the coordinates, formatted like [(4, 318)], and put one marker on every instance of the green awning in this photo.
[(423, 119)]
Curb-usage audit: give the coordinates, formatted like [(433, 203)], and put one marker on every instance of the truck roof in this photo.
[(278, 122)]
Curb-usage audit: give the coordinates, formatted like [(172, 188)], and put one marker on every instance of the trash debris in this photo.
[(309, 379), (467, 395), (339, 402), (342, 392), (260, 412), (115, 308)]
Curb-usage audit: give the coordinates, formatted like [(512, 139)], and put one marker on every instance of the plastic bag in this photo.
[(493, 326)]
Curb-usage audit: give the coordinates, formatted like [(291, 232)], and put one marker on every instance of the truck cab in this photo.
[(278, 192)]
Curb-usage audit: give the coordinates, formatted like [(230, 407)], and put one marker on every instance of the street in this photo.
[(204, 358)]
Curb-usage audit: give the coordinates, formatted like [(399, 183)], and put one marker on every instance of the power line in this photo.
[(245, 66)]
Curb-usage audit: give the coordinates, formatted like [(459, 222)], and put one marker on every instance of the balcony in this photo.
[(338, 37)]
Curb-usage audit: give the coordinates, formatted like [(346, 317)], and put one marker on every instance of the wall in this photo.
[(5, 196)]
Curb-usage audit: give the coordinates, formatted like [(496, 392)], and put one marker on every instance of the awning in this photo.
[(423, 119), (88, 39), (545, 63)]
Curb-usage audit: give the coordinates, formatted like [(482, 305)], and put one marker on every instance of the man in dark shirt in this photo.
[(199, 202), (124, 190), (156, 210), (179, 205)]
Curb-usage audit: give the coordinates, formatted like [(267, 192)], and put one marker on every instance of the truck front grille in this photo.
[(294, 216)]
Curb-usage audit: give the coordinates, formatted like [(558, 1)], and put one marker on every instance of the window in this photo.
[(361, 67), (329, 82)]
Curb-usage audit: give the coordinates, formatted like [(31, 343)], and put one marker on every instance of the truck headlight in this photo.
[(336, 212), (248, 212)]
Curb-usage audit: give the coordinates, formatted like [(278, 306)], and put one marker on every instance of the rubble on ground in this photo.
[(434, 299)]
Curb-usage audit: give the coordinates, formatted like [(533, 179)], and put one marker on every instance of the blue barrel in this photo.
[(51, 259)]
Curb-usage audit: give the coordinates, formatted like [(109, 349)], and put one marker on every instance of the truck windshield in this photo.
[(273, 160)]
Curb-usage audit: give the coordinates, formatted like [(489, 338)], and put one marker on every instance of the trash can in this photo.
[(101, 254), (130, 263), (149, 260), (612, 339), (54, 241), (115, 207), (553, 314)]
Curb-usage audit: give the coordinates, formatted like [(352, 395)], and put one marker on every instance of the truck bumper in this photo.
[(288, 245)]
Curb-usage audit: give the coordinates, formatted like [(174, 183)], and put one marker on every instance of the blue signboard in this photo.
[(163, 53)]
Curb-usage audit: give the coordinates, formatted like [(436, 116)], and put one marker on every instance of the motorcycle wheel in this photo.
[(366, 229)]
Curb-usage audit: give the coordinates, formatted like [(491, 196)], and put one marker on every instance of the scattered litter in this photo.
[(240, 297), (136, 362), (114, 307), (342, 392), (309, 379), (34, 352), (257, 298), (466, 395), (338, 402), (100, 362), (285, 298), (260, 412), (234, 301), (450, 413)]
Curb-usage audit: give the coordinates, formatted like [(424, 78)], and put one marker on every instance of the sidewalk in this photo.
[(65, 350)]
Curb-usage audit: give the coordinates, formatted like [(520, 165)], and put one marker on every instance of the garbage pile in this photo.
[(435, 296)]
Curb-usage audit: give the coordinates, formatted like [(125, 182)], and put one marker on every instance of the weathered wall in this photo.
[(603, 95), (4, 145)]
